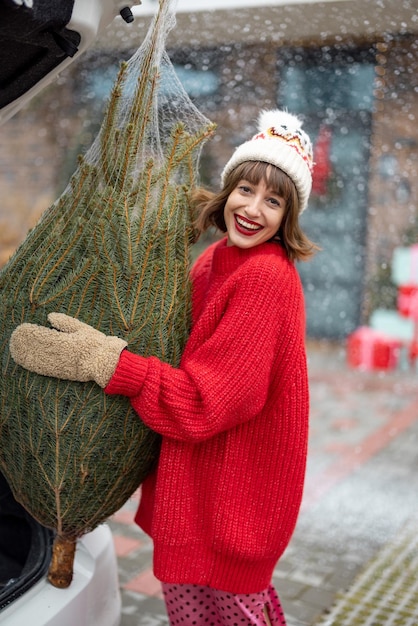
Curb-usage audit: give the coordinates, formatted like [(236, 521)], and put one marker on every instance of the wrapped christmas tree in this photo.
[(113, 251)]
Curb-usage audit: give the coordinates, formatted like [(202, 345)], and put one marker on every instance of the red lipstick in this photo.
[(245, 226)]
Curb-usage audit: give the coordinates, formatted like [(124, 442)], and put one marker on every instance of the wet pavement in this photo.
[(360, 500)]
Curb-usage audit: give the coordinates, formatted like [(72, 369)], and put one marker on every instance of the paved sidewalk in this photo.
[(360, 492), (386, 591)]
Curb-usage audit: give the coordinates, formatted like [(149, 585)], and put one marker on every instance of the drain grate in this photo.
[(386, 591)]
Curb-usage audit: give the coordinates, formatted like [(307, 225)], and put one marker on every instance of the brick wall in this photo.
[(34, 148), (393, 190)]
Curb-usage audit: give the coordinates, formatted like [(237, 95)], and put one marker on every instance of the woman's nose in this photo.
[(253, 207)]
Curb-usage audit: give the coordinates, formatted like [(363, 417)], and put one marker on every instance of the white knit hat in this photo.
[(281, 142)]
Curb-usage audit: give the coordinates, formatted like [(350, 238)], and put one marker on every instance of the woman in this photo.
[(223, 502)]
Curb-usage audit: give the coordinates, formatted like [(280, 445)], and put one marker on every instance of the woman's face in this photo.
[(253, 214)]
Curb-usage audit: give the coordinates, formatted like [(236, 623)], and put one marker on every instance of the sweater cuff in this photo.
[(129, 375)]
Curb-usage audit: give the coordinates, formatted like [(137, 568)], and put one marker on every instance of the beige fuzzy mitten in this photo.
[(71, 350)]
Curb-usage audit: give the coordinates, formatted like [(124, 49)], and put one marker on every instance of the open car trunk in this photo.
[(34, 41), (25, 547), (39, 38)]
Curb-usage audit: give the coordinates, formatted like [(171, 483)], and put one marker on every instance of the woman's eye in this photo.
[(275, 201), (244, 188)]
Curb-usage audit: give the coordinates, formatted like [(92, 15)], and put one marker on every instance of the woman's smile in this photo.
[(245, 226)]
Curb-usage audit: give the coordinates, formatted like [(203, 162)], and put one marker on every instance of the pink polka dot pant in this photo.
[(192, 605)]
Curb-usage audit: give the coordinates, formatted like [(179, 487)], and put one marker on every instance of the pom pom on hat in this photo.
[(277, 118), (282, 143)]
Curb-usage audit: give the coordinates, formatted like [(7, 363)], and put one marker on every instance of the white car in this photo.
[(37, 40), (26, 597)]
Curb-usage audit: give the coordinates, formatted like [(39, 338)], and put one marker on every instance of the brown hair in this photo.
[(210, 206)]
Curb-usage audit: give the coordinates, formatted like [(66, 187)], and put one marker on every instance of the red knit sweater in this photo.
[(223, 503)]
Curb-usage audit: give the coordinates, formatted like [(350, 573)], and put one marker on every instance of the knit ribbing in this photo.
[(223, 503)]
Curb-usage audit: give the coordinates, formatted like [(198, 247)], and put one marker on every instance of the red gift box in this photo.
[(408, 301), (370, 349)]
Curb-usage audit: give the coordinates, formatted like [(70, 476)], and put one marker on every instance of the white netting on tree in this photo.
[(114, 252)]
